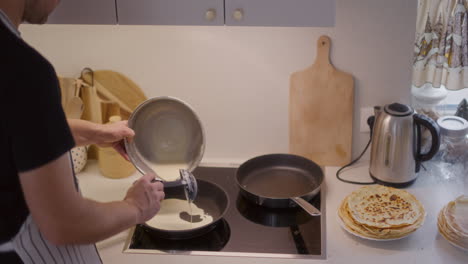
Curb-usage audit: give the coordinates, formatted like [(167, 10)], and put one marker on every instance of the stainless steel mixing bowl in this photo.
[(167, 131)]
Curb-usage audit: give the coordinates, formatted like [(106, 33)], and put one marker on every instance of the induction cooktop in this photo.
[(246, 230)]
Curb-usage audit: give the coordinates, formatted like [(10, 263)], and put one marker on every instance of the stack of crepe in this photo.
[(381, 213), (453, 222)]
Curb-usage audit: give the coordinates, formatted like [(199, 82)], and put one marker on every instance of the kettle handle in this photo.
[(422, 120)]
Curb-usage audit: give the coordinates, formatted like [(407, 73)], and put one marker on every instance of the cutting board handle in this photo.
[(323, 51)]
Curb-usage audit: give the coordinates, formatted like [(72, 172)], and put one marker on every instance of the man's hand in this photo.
[(103, 135), (146, 197), (112, 135)]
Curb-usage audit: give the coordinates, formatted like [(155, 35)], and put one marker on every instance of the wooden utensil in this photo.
[(110, 109), (75, 106), (321, 111), (92, 111)]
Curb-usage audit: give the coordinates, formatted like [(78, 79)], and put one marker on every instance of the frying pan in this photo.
[(280, 181), (211, 198)]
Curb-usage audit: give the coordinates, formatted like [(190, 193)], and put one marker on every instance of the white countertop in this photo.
[(423, 246)]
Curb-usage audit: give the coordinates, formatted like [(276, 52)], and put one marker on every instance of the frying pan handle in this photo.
[(306, 206), (169, 184)]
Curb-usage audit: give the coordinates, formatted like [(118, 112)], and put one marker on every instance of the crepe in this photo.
[(384, 207), (451, 222), (169, 217), (380, 208), (457, 214)]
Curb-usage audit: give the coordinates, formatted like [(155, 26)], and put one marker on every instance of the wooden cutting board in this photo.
[(115, 87), (120, 88), (108, 93), (321, 111)]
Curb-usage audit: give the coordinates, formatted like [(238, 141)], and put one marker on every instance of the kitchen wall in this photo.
[(237, 78)]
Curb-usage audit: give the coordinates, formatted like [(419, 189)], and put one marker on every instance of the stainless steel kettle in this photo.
[(396, 144)]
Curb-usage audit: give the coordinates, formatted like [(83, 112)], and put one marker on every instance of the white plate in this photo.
[(457, 246), (364, 237)]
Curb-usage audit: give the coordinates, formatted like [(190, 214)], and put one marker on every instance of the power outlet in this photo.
[(365, 113)]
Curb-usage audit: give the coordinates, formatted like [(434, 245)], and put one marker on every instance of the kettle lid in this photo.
[(397, 109)]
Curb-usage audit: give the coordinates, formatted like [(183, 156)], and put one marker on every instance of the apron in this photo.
[(33, 248)]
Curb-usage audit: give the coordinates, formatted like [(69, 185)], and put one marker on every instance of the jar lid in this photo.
[(453, 126)]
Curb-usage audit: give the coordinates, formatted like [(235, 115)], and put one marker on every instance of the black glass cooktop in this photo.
[(245, 230)]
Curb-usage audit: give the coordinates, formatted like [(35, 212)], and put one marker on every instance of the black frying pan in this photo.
[(211, 198), (280, 181)]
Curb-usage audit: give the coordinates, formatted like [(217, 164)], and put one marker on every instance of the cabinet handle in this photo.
[(238, 14), (210, 14)]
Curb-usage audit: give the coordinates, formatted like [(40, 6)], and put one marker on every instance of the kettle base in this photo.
[(393, 184)]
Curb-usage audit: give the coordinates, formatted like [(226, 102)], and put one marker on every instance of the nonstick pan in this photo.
[(211, 198), (280, 181)]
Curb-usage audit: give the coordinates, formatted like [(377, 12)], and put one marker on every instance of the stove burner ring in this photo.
[(274, 217), (214, 240)]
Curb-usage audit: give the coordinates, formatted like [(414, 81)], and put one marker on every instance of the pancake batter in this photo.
[(169, 217)]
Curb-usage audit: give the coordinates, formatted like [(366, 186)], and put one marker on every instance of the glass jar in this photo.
[(452, 157), (453, 133)]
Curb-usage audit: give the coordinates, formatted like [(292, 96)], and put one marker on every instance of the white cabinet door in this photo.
[(170, 12), (84, 12), (280, 13)]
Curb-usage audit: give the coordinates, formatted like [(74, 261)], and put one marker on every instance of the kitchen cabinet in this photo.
[(171, 12), (281, 13), (84, 12), (286, 13)]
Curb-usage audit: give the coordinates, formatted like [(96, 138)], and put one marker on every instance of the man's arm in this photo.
[(65, 217), (103, 135)]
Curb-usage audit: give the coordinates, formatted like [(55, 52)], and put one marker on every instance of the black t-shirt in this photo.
[(33, 127)]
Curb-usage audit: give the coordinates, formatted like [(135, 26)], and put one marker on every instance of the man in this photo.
[(43, 217)]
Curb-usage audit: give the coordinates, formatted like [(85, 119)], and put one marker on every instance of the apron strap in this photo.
[(32, 247), (6, 247)]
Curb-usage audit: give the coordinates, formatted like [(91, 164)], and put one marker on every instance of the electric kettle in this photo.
[(396, 144)]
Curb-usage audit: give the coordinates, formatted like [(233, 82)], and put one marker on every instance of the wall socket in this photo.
[(365, 113)]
